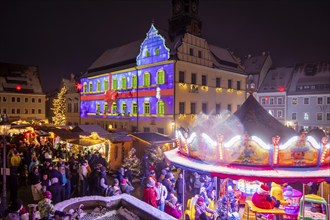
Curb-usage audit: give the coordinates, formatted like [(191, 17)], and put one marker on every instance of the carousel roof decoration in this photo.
[(251, 144)]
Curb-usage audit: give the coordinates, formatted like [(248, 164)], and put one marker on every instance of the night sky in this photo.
[(67, 36)]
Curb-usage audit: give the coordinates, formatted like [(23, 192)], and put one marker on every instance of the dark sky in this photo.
[(67, 36)]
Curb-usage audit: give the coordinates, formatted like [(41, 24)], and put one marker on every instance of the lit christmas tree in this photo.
[(59, 107), (133, 163)]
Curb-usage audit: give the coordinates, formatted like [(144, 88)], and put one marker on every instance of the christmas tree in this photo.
[(156, 157), (133, 163), (59, 106)]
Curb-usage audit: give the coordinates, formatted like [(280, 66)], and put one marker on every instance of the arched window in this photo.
[(134, 108), (85, 87), (106, 85), (124, 82), (90, 87), (147, 53), (123, 107), (146, 79), (157, 51), (114, 108), (134, 81), (160, 107), (146, 108), (161, 76), (98, 86), (114, 84)]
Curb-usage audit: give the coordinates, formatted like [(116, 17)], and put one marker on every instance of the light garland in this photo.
[(59, 108)]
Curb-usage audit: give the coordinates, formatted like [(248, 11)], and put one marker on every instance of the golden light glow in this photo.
[(239, 92), (218, 89), (183, 85), (205, 88), (182, 116), (230, 90)]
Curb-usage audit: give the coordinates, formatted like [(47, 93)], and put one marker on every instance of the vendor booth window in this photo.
[(161, 76), (161, 108)]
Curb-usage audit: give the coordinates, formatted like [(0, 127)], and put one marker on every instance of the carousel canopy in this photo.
[(258, 122)]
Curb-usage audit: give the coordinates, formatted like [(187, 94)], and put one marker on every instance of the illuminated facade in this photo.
[(161, 82)]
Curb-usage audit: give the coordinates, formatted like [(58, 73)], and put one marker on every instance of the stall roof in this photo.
[(86, 142), (152, 137)]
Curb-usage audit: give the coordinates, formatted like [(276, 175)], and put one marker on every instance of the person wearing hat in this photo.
[(168, 184), (161, 193), (83, 175), (172, 208), (103, 186), (14, 211), (125, 187), (46, 208), (57, 191), (201, 209), (149, 195), (263, 200)]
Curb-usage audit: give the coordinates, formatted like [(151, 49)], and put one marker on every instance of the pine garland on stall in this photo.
[(133, 163), (59, 108)]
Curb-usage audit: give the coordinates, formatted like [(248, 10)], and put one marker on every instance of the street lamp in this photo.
[(4, 127)]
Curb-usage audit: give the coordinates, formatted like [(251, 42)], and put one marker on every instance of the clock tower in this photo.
[(184, 18)]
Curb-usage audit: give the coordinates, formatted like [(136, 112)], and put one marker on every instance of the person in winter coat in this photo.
[(172, 208), (57, 191), (125, 187), (83, 175), (103, 186), (201, 209), (197, 183), (179, 188), (263, 200), (46, 208), (149, 195), (168, 184), (16, 210), (161, 193), (45, 182), (36, 187)]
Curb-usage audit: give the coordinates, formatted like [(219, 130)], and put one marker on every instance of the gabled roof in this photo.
[(152, 138), (88, 129), (276, 78), (254, 64), (256, 121)]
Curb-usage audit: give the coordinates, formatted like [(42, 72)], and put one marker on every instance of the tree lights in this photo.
[(59, 107)]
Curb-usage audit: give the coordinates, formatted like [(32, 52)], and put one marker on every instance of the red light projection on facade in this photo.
[(281, 88)]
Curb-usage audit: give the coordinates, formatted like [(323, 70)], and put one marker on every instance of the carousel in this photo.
[(251, 148)]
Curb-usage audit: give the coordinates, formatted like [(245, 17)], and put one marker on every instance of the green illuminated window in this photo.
[(161, 76), (147, 53), (134, 81), (146, 79), (146, 108), (134, 108), (114, 84), (106, 85), (90, 87), (85, 87), (98, 85), (124, 107), (98, 108), (161, 108), (157, 51), (124, 82), (114, 108), (106, 108)]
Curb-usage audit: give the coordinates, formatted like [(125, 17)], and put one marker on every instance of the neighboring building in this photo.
[(72, 97), (273, 92), (163, 81), (21, 94), (309, 96)]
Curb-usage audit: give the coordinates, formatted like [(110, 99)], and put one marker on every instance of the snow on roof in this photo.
[(275, 78), (152, 138), (254, 64), (310, 78), (90, 128)]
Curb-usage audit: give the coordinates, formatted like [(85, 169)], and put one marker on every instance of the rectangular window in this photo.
[(26, 111), (33, 100), (238, 85), (4, 111), (280, 101), (229, 83), (263, 101), (218, 82), (293, 116), (328, 116), (191, 52), (192, 108), (39, 100), (271, 101), (69, 110), (271, 112), (181, 77), (12, 99), (181, 107), (204, 80), (18, 111), (18, 99), (319, 116), (26, 99), (75, 107), (134, 108), (204, 108), (193, 78), (306, 101), (306, 116), (279, 114), (13, 111), (146, 129), (294, 101), (160, 130), (319, 100), (218, 109), (199, 54), (328, 100), (4, 99), (39, 111), (147, 108), (229, 107)]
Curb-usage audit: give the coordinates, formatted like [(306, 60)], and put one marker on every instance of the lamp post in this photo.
[(4, 127)]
